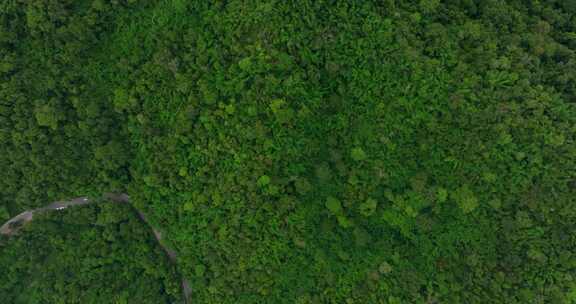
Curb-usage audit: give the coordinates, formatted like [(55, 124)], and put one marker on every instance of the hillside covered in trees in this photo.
[(390, 151)]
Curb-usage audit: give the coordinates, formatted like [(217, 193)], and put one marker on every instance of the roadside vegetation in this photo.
[(395, 151)]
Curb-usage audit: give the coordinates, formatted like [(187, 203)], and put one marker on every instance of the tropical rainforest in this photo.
[(306, 151)]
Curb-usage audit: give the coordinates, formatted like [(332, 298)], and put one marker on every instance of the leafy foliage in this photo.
[(406, 151)]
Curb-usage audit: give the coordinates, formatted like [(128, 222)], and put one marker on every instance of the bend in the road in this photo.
[(10, 228)]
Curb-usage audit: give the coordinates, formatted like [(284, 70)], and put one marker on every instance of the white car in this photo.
[(60, 208)]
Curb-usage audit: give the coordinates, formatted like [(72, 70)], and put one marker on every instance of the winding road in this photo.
[(14, 224)]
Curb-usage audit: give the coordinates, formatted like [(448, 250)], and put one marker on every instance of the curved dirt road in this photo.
[(14, 224)]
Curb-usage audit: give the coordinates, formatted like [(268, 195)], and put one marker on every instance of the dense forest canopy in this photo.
[(390, 151)]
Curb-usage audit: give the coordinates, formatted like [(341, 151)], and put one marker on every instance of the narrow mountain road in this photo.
[(14, 224)]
